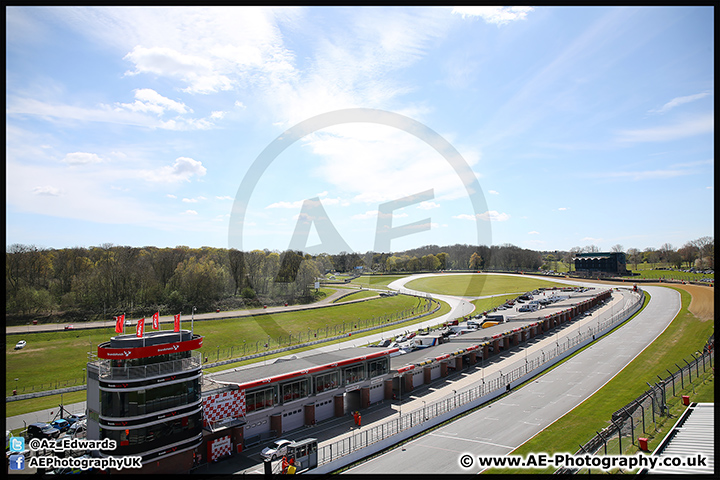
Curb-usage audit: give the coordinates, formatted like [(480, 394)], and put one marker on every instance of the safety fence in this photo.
[(378, 437), (640, 416), (313, 336)]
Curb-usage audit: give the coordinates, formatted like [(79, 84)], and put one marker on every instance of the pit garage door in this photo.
[(418, 378), (324, 410), (377, 393), (293, 419)]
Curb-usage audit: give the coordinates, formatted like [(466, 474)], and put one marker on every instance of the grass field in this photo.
[(376, 281), (479, 285), (358, 295), (42, 403), (37, 363), (484, 304), (686, 334)]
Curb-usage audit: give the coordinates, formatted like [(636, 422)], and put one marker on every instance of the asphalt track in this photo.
[(495, 430), (501, 427)]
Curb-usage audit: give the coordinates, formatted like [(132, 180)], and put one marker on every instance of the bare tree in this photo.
[(633, 256), (706, 248), (617, 248)]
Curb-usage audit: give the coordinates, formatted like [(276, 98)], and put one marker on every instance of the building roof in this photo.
[(596, 255), (692, 435), (281, 370)]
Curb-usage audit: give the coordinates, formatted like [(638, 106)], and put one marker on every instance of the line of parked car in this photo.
[(72, 426)]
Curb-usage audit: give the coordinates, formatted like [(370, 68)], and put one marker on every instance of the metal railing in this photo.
[(108, 372), (640, 416)]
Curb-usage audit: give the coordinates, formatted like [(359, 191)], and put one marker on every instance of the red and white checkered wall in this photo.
[(223, 405), (219, 447)]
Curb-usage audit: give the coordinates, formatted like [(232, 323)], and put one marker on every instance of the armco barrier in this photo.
[(366, 442)]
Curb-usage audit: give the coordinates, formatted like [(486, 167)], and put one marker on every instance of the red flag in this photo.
[(119, 323), (177, 322), (156, 320), (140, 328)]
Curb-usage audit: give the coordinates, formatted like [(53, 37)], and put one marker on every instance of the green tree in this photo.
[(476, 262)]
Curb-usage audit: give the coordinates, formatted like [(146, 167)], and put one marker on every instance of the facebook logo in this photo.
[(17, 462)]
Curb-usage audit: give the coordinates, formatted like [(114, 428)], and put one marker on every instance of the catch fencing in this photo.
[(370, 440), (640, 417)]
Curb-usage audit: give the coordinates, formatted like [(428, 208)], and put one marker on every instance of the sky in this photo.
[(359, 128)]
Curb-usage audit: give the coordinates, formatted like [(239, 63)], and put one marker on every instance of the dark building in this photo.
[(144, 393), (604, 263)]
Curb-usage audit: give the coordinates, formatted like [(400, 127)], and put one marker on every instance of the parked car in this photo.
[(61, 424), (76, 430), (277, 449), (76, 417), (20, 345), (42, 430)]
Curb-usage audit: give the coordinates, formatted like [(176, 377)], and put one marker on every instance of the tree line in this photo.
[(103, 281)]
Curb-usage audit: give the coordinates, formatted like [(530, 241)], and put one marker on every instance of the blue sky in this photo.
[(138, 126)]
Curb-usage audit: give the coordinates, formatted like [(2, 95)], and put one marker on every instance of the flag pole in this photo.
[(192, 322)]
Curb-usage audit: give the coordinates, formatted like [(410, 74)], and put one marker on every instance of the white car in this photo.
[(21, 344), (76, 430), (277, 449)]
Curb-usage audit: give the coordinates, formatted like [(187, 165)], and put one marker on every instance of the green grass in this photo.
[(484, 304), (376, 281), (357, 296), (38, 364), (35, 404), (671, 275), (479, 285), (686, 334)]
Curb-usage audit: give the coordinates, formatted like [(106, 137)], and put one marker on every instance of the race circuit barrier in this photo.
[(371, 440)]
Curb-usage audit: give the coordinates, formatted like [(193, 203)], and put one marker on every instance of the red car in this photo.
[(69, 327)]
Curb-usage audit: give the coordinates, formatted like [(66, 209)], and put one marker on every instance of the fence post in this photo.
[(603, 439), (643, 414), (697, 366), (620, 450), (682, 382), (672, 375), (689, 370)]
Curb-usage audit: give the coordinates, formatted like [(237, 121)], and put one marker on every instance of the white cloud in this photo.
[(190, 212), (533, 233), (81, 158), (102, 113), (428, 205), (562, 209), (183, 169), (690, 127), (493, 192), (677, 101), (226, 197), (490, 215), (148, 100), (283, 204), (47, 190), (496, 15)]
